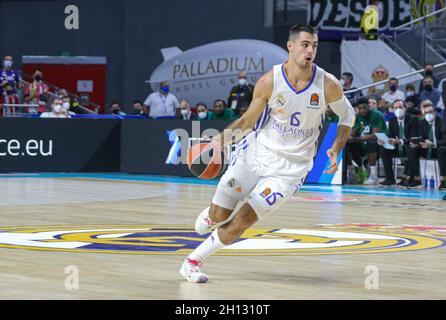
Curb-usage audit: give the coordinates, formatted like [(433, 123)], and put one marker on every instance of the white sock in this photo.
[(374, 172), (208, 247)]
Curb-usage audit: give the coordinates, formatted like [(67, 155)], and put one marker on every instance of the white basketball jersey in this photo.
[(292, 121)]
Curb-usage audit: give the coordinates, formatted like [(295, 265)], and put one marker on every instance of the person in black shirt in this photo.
[(240, 95)]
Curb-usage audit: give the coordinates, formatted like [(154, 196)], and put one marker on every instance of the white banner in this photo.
[(372, 61), (208, 72)]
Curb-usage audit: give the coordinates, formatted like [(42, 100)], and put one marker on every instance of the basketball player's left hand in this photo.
[(333, 167)]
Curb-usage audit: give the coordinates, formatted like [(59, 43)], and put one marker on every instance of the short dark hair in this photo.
[(348, 74), (397, 100), (137, 101), (393, 78), (428, 77), (220, 100), (115, 102), (410, 86), (362, 100), (201, 104), (298, 28)]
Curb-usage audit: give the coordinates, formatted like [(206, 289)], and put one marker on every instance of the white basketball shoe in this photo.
[(204, 224), (190, 270)]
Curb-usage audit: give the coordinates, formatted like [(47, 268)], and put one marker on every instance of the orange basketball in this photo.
[(205, 160)]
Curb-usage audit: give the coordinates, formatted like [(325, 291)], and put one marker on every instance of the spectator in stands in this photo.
[(431, 137), (428, 71), (347, 85), (429, 92), (393, 94), (137, 108), (402, 126), (62, 92), (186, 112), (363, 140), (162, 103), (66, 105), (10, 82), (116, 109), (220, 112), (373, 104), (240, 95), (202, 111), (57, 110), (36, 93), (330, 116), (409, 91), (411, 106)]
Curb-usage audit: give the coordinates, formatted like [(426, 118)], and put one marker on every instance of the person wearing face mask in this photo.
[(241, 94), (202, 111), (36, 93), (409, 92), (186, 112), (58, 110), (430, 147), (402, 126), (393, 94), (428, 71), (10, 82), (162, 104), (429, 92)]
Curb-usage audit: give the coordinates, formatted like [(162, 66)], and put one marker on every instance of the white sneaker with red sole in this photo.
[(190, 270)]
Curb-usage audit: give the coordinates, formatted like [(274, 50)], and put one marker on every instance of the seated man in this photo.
[(220, 112), (202, 111), (428, 146), (402, 126), (57, 110), (186, 111), (363, 140)]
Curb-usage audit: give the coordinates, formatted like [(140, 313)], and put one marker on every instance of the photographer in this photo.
[(37, 93), (430, 144)]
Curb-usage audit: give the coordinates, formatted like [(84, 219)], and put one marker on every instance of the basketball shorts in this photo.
[(261, 176)]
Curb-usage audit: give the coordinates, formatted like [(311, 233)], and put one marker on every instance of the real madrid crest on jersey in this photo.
[(280, 100)]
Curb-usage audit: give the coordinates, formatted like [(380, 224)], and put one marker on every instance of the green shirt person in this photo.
[(220, 112), (363, 140), (370, 122)]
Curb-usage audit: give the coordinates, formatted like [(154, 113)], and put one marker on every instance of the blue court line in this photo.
[(329, 189)]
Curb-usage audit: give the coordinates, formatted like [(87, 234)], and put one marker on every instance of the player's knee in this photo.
[(218, 213)]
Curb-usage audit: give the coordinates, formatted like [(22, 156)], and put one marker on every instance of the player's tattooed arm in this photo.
[(245, 124), (334, 96)]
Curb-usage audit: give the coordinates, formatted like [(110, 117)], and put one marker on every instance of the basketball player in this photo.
[(271, 163)]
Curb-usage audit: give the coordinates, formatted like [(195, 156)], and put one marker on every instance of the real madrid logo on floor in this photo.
[(165, 239)]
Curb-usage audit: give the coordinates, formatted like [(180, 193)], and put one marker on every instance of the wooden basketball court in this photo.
[(126, 236)]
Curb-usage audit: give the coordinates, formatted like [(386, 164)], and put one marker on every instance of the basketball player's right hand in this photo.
[(333, 167)]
